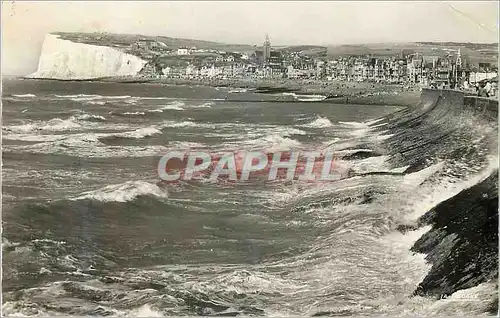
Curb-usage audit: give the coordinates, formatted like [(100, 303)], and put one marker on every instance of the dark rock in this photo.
[(462, 245)]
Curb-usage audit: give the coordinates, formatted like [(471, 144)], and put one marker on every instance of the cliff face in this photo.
[(67, 60)]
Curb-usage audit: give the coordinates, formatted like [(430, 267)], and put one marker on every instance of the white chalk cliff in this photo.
[(67, 60)]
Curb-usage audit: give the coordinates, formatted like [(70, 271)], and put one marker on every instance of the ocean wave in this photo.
[(88, 97), (123, 192), (310, 98), (100, 103), (177, 105), (24, 95), (55, 124), (204, 105), (354, 124), (288, 131), (238, 90), (320, 122), (90, 117), (185, 145), (90, 148), (155, 98), (305, 98), (139, 133), (76, 95), (76, 122), (177, 124), (274, 143), (134, 113)]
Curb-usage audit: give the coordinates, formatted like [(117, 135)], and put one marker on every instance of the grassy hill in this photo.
[(473, 52), (126, 40)]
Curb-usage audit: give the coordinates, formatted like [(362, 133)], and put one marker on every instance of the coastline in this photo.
[(338, 92)]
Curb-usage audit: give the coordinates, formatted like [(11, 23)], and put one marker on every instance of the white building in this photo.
[(183, 51), (166, 71), (479, 76), (192, 70)]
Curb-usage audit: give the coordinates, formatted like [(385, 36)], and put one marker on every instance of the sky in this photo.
[(25, 23)]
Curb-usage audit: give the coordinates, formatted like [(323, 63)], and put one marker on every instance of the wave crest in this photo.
[(123, 192), (139, 133), (320, 122)]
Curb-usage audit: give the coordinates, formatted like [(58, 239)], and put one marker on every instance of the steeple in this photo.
[(267, 41), (266, 50), (459, 58)]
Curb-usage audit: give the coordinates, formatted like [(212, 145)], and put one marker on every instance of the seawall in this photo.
[(67, 60), (462, 132)]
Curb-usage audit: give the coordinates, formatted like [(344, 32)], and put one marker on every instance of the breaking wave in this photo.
[(134, 113), (427, 172), (176, 105), (76, 122), (24, 95), (123, 192), (139, 133), (320, 122)]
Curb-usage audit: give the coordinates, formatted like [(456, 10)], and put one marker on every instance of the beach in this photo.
[(344, 92)]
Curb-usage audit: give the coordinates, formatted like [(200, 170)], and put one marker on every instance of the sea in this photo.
[(88, 229)]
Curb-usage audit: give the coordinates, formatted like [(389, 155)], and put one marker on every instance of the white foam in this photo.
[(176, 105), (24, 95), (310, 98), (100, 103), (320, 122), (171, 107), (134, 113), (238, 90), (144, 311), (204, 105), (354, 124), (185, 145), (123, 192), (90, 117), (178, 124), (374, 121), (55, 124), (76, 122), (93, 99), (371, 164), (77, 96), (116, 96), (287, 131), (275, 143), (431, 196), (139, 133)]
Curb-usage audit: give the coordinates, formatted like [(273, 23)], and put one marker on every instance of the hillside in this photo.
[(96, 55), (127, 40), (474, 52)]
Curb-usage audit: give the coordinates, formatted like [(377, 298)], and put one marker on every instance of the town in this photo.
[(452, 70)]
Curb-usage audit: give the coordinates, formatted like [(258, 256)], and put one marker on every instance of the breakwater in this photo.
[(462, 244)]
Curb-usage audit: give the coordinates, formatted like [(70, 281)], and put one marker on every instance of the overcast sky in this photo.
[(24, 24)]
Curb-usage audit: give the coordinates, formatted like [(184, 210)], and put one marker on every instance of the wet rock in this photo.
[(462, 245)]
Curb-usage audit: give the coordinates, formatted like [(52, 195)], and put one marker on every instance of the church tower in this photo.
[(266, 50), (459, 59), (458, 66)]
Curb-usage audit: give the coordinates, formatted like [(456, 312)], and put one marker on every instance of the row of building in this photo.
[(410, 67)]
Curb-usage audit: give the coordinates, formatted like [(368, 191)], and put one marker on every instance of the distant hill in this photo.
[(126, 40), (474, 52)]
